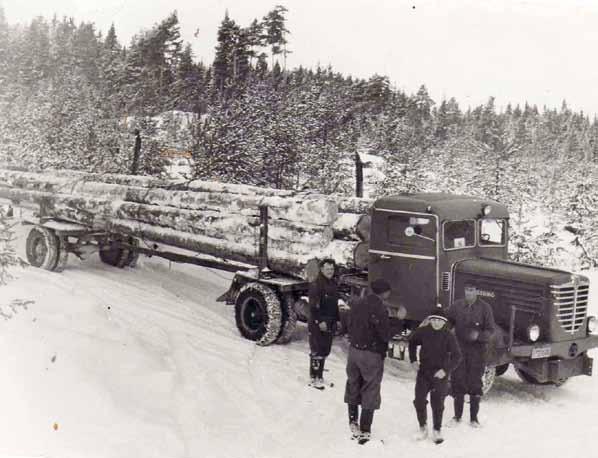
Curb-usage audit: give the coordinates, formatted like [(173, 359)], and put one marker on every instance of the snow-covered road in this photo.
[(144, 362)]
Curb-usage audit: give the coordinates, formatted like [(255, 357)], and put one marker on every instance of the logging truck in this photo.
[(425, 245)]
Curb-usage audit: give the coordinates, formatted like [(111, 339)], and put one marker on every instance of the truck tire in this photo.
[(289, 319), (500, 370), (488, 379), (42, 248), (63, 255), (133, 256), (258, 313), (528, 378), (115, 256)]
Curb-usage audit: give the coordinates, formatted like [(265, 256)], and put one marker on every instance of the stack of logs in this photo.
[(212, 218)]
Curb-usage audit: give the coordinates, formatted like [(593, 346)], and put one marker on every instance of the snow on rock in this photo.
[(144, 362)]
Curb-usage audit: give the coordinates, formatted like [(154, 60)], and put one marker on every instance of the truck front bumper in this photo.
[(557, 361)]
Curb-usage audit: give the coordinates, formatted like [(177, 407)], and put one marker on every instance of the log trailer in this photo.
[(426, 246)]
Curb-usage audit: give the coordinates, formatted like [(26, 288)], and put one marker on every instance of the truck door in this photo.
[(403, 251)]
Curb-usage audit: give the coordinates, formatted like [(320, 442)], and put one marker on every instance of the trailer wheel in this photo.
[(488, 379), (289, 319), (500, 370), (114, 256), (133, 256), (258, 313), (528, 378), (42, 248)]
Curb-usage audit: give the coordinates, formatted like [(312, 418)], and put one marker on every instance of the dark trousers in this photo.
[(364, 378), (467, 378), (438, 389), (320, 344)]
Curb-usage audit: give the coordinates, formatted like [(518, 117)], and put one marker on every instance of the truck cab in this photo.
[(427, 245)]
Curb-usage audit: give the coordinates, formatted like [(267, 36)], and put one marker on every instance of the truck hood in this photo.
[(516, 272)]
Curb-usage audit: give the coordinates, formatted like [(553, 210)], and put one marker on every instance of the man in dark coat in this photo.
[(473, 321), (369, 334), (323, 319), (439, 355)]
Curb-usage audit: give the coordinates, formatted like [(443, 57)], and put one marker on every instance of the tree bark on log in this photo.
[(278, 260), (92, 212), (226, 226), (316, 210), (352, 226)]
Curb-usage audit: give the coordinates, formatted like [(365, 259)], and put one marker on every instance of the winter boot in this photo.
[(353, 411), (422, 433), (459, 401), (314, 367), (454, 422), (437, 436), (365, 425), (474, 409), (364, 437)]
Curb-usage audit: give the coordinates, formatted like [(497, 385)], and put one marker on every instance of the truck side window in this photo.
[(459, 234), (492, 232), (421, 226)]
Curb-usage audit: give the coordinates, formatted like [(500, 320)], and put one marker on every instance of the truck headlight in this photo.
[(592, 325), (533, 332)]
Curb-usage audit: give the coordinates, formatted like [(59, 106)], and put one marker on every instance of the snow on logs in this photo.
[(217, 219)]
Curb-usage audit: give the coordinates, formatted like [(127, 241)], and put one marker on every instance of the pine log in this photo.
[(352, 226), (361, 256), (312, 209), (225, 225), (281, 261), (363, 227), (354, 204), (89, 211)]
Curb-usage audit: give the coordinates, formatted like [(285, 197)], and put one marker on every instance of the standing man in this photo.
[(323, 318), (369, 334), (474, 324), (438, 357)]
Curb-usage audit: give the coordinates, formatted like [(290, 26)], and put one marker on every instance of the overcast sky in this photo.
[(542, 51)]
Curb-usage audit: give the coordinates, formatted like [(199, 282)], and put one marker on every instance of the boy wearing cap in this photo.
[(369, 334), (439, 355)]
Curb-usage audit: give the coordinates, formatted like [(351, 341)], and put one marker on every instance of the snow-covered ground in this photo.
[(145, 363)]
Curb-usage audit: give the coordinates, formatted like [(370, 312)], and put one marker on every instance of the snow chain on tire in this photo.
[(270, 302), (47, 256), (63, 254), (289, 319), (488, 379)]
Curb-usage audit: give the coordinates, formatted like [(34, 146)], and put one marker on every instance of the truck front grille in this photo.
[(571, 304)]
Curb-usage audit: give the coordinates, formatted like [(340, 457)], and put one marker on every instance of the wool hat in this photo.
[(380, 286), (438, 313)]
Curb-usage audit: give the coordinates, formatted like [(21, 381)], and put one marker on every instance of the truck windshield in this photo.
[(459, 234), (493, 232)]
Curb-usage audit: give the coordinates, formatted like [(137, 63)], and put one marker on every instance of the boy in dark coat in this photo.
[(323, 319), (473, 321), (369, 334), (439, 355)]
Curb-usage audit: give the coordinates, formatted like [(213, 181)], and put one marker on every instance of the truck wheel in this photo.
[(42, 248), (63, 255), (113, 255), (488, 379), (528, 378), (500, 370), (258, 313), (289, 319)]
